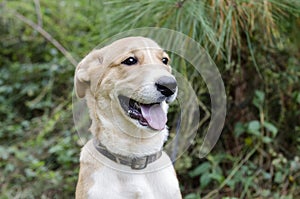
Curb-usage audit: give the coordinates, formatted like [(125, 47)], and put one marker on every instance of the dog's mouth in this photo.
[(150, 115)]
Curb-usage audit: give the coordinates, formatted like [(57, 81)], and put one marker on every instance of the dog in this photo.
[(127, 86)]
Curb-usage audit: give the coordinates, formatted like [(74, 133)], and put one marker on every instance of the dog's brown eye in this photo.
[(130, 61), (165, 60)]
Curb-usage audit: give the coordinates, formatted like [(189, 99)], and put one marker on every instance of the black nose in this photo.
[(166, 85)]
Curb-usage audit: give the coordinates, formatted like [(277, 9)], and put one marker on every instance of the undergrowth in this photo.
[(255, 44)]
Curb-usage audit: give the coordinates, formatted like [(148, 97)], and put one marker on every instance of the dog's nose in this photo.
[(166, 85)]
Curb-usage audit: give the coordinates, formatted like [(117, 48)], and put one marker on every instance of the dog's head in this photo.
[(130, 78)]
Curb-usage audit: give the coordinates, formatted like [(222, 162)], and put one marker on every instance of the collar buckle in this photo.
[(139, 163)]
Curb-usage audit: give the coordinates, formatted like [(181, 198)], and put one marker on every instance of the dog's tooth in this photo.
[(130, 112), (134, 114)]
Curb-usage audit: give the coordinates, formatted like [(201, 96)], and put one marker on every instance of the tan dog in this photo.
[(127, 86)]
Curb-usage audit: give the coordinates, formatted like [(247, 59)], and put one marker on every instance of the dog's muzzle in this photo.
[(151, 114)]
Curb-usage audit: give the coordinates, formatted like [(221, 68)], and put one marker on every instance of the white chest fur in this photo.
[(105, 179), (109, 183)]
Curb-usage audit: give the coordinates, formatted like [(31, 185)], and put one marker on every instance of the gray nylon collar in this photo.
[(136, 163)]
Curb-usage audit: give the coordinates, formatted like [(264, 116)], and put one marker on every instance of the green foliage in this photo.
[(254, 43)]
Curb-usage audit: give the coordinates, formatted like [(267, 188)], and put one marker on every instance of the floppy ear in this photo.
[(83, 72), (81, 81)]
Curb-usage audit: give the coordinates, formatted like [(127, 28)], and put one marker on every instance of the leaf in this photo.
[(267, 140), (266, 193), (254, 127), (259, 98), (270, 127), (239, 129), (260, 95), (4, 154), (9, 168), (30, 173), (298, 98), (55, 149), (192, 196), (205, 180), (203, 168), (216, 176), (278, 177), (266, 175)]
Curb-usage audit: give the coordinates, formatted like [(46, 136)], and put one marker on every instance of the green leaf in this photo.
[(239, 129), (30, 173), (278, 177), (216, 176), (205, 180), (270, 127), (266, 193), (192, 196), (267, 140), (9, 167), (56, 149), (298, 98), (266, 175), (203, 168), (254, 127), (259, 98)]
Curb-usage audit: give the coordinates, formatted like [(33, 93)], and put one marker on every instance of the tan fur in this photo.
[(87, 167), (100, 78)]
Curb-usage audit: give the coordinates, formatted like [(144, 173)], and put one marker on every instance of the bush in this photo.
[(254, 43)]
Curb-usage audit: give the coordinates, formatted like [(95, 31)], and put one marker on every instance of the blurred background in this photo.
[(255, 44)]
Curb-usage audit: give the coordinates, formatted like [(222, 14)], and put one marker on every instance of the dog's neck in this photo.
[(136, 162), (125, 144)]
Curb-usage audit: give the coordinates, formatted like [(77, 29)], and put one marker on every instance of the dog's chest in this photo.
[(113, 184)]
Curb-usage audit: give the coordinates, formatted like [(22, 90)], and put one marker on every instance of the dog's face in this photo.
[(129, 81)]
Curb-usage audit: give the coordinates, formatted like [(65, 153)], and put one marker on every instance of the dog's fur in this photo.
[(100, 78)]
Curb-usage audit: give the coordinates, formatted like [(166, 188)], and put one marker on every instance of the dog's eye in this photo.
[(165, 60), (130, 61)]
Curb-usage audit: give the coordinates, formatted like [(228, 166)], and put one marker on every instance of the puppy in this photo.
[(127, 86)]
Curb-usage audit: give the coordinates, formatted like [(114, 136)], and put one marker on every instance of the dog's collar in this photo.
[(136, 163)]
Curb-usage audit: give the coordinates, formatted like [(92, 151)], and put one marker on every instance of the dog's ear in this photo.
[(81, 80), (84, 70)]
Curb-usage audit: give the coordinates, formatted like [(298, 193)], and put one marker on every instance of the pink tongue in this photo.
[(155, 116)]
